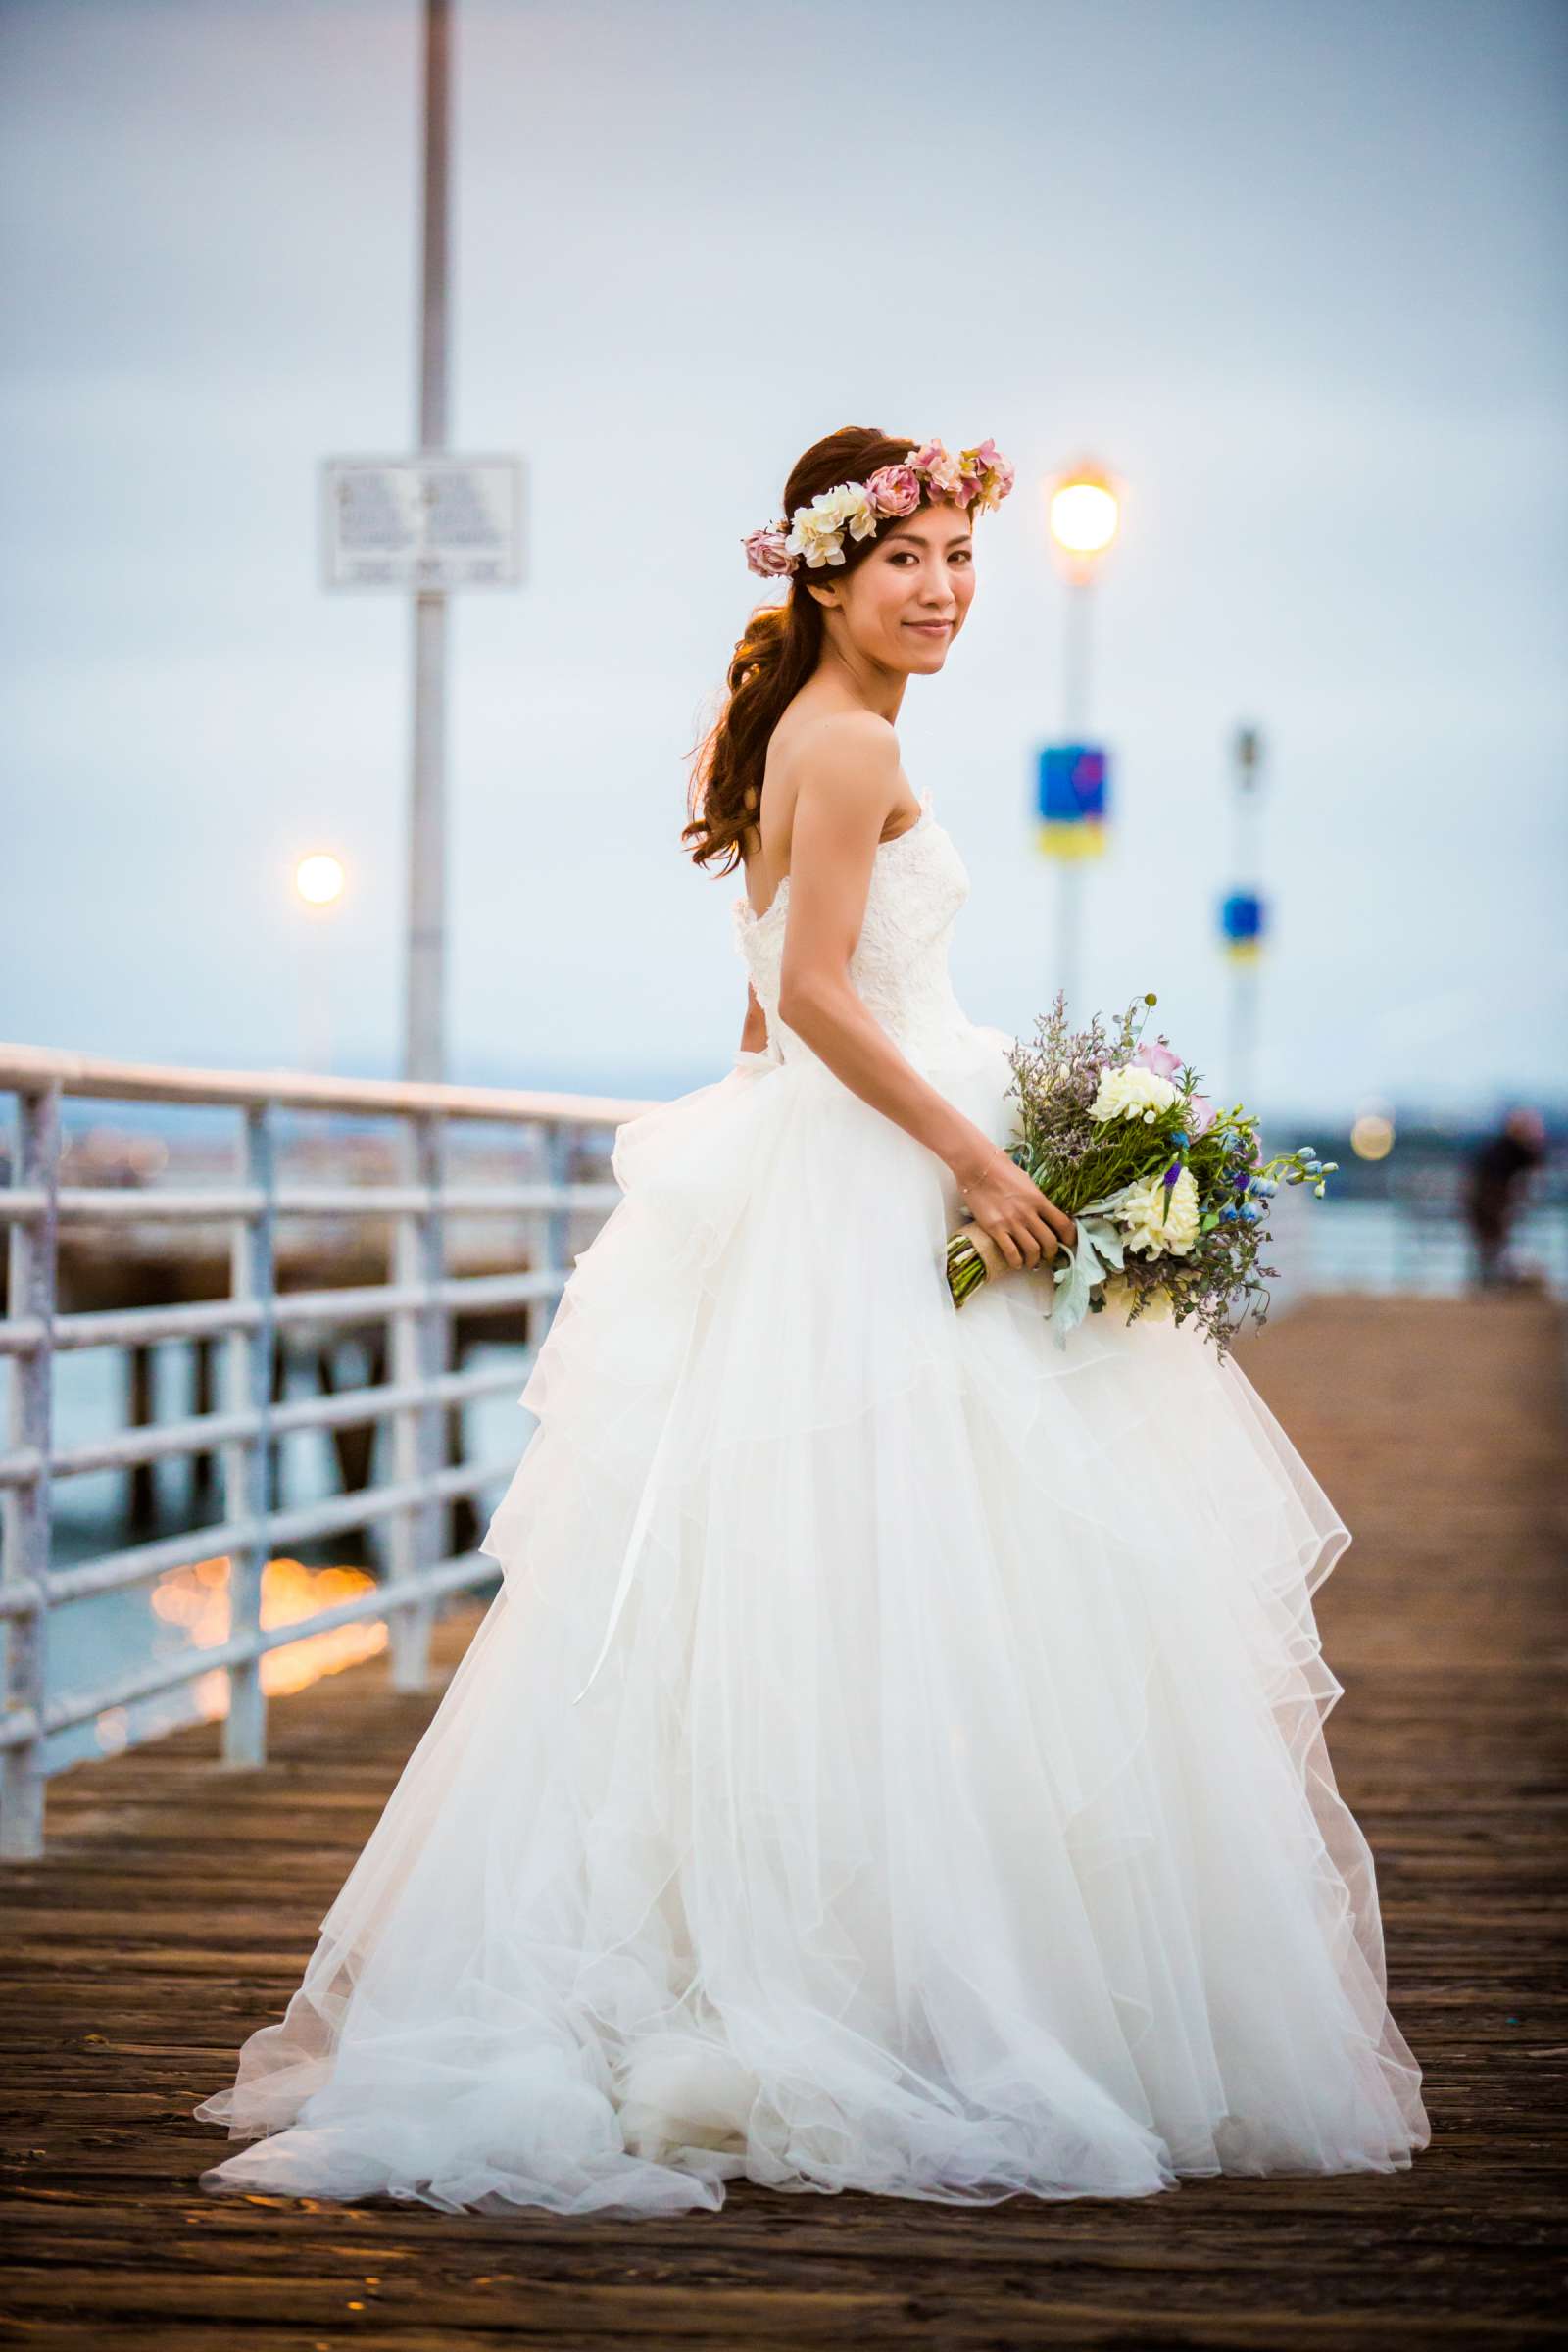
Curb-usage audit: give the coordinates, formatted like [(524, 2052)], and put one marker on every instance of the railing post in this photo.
[(252, 1263), (24, 1551), (560, 1155), (420, 1336)]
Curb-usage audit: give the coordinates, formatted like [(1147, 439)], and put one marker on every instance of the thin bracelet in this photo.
[(964, 1182)]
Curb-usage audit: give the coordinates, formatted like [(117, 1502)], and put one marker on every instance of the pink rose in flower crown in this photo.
[(893, 490), (766, 552)]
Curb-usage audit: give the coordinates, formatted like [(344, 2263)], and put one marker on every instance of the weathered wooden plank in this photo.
[(178, 1902)]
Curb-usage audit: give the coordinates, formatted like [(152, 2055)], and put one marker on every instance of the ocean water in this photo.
[(91, 1642)]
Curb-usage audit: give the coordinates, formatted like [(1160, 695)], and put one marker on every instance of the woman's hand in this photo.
[(1027, 1228)]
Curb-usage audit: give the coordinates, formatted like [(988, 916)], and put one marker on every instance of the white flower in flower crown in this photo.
[(1159, 1216), (1132, 1092), (857, 510), (819, 529)]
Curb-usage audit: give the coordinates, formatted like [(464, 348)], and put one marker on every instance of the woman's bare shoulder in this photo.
[(833, 760), (844, 732), (834, 754)]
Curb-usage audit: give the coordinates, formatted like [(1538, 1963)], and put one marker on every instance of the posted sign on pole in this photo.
[(1072, 797), (434, 523), (1240, 926)]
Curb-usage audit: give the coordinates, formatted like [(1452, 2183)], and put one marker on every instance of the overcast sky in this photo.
[(1294, 268)]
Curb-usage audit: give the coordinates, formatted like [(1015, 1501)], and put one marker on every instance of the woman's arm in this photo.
[(848, 792)]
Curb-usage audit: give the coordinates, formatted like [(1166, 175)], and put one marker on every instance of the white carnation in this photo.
[(1132, 1092), (1159, 1216)]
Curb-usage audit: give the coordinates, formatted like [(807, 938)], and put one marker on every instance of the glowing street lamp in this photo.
[(318, 885), (1085, 508), (1083, 512), (319, 879)]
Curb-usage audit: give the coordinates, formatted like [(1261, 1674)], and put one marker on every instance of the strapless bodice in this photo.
[(900, 965)]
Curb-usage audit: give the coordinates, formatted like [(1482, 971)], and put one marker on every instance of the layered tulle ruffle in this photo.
[(894, 1759)]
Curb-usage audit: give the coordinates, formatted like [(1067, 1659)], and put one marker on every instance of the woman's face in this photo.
[(905, 604)]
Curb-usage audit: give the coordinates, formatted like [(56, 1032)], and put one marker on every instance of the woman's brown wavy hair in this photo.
[(781, 648)]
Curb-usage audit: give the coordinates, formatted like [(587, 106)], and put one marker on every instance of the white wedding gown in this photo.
[(893, 1758)]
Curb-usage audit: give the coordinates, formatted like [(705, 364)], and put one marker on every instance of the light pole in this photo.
[(1084, 512), (422, 525), (424, 1011), (1243, 917)]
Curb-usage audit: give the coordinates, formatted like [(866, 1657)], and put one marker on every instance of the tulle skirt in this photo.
[(894, 1759)]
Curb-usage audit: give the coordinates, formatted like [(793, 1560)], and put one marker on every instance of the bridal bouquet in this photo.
[(1170, 1196)]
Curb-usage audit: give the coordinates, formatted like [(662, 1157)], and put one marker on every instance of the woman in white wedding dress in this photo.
[(894, 1759)]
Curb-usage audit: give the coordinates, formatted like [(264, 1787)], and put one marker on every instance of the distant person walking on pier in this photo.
[(1498, 1178)]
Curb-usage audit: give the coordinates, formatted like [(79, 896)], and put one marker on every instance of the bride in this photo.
[(894, 1759)]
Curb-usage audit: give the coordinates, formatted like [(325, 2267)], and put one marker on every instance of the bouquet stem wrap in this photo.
[(984, 1248)]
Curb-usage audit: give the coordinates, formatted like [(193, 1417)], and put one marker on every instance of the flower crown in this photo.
[(979, 477)]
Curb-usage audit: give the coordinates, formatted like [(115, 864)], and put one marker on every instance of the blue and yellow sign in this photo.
[(1240, 926), (1073, 799)]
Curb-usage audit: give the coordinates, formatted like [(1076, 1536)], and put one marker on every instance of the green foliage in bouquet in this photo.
[(1170, 1197)]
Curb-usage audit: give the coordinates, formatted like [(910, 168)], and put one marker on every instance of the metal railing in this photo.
[(417, 1303), (1412, 1240)]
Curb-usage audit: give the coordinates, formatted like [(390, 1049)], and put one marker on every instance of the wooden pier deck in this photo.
[(177, 1906)]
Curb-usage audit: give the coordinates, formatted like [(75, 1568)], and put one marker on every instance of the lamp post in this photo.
[(424, 1044), (1243, 915), (1084, 514), (427, 521)]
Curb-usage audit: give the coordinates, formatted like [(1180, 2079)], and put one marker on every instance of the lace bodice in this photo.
[(900, 965)]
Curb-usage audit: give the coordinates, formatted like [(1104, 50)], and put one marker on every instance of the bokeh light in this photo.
[(1372, 1136), (1085, 512), (319, 878)]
